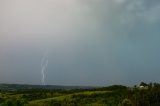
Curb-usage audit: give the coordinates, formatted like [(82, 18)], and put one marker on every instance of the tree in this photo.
[(143, 84), (126, 102)]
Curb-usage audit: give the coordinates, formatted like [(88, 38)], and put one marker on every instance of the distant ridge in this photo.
[(13, 87)]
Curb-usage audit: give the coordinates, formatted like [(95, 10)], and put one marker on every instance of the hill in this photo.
[(13, 87), (115, 95)]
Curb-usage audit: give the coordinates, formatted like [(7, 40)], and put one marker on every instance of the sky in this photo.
[(88, 42)]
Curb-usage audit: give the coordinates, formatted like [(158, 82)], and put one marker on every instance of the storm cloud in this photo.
[(89, 42)]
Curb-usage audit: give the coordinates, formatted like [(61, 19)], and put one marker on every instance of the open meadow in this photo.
[(116, 95)]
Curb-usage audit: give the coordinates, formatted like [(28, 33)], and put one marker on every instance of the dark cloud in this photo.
[(90, 42)]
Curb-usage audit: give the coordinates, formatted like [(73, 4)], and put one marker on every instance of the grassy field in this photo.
[(70, 99), (116, 95)]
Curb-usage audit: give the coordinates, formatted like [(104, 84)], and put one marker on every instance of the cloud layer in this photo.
[(90, 42)]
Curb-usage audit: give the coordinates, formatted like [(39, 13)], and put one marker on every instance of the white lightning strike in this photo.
[(44, 64)]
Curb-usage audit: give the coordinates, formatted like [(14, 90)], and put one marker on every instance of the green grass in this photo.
[(106, 96), (69, 97)]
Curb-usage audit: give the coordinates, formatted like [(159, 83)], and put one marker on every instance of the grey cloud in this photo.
[(90, 42)]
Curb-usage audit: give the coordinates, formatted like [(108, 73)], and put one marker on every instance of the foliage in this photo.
[(116, 95)]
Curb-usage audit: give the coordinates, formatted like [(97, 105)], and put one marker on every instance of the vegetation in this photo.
[(116, 95)]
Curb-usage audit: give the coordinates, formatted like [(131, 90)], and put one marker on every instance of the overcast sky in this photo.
[(89, 42)]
